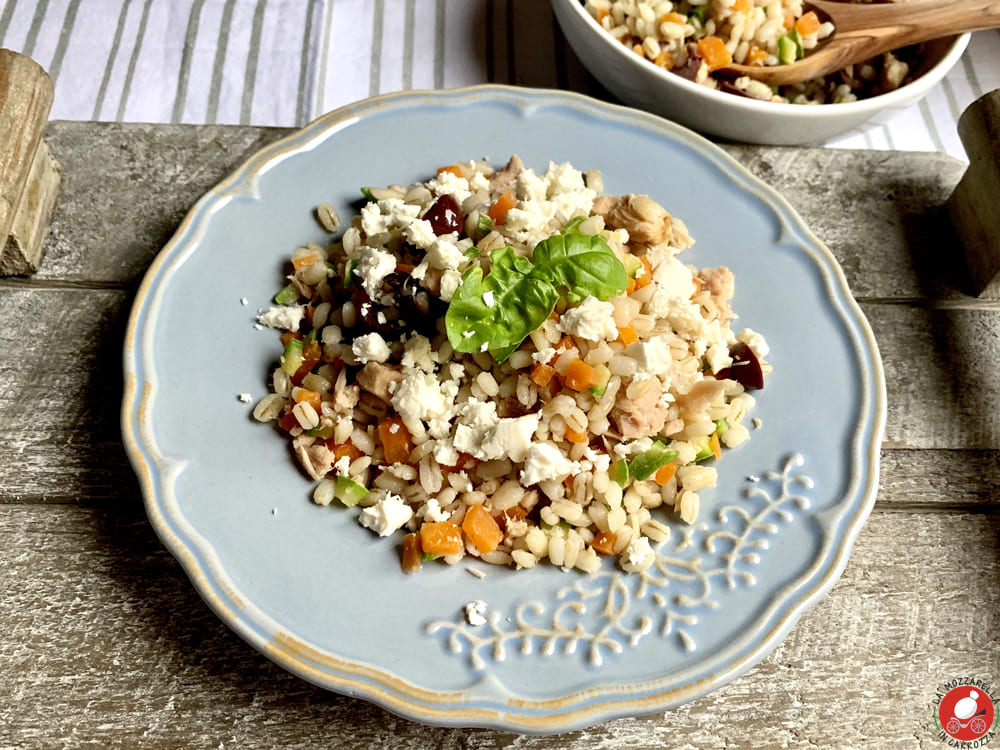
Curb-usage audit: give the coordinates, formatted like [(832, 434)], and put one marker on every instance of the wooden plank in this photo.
[(105, 643), (126, 188), (890, 230)]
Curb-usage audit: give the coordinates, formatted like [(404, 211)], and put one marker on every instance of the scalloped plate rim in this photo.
[(435, 707)]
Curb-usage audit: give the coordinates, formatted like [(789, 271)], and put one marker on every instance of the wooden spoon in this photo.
[(865, 31)]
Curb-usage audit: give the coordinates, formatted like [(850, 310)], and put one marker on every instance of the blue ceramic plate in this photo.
[(325, 599)]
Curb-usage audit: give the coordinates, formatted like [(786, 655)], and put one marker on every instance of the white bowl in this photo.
[(642, 84)]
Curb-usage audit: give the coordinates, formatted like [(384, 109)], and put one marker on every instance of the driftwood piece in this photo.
[(29, 176), (973, 205)]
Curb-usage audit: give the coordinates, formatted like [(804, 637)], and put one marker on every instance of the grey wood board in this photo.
[(105, 643)]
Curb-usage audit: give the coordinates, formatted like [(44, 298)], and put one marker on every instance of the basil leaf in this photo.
[(521, 303), (573, 224), (583, 263)]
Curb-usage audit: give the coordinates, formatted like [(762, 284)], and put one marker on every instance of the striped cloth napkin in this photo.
[(284, 62)]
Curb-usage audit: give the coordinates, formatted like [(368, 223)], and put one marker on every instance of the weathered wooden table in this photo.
[(104, 643)]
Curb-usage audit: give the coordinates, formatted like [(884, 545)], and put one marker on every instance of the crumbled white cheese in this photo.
[(717, 357), (387, 515), (545, 461), (488, 299), (286, 317), (418, 353), (673, 278), (342, 466), (370, 348), (447, 183), (420, 396), (449, 283), (444, 254), (474, 612), (544, 355), (652, 356), (591, 320), (431, 511), (373, 266), (420, 234), (638, 555), (755, 341), (245, 398), (632, 448), (244, 301)]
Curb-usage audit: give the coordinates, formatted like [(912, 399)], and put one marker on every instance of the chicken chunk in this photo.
[(379, 380), (645, 220), (503, 179), (640, 416), (345, 397)]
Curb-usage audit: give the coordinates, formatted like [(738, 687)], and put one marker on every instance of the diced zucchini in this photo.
[(698, 16), (721, 427), (619, 472), (367, 192), (786, 50), (796, 37), (291, 358), (324, 431), (646, 464), (349, 492), (349, 278), (602, 384), (632, 265), (484, 226), (703, 448), (287, 295)]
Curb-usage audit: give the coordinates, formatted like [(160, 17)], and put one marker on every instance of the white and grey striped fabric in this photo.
[(284, 62)]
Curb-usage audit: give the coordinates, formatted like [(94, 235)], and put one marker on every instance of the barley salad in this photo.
[(509, 366), (696, 38)]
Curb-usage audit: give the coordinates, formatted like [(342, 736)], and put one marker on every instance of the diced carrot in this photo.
[(312, 355), (288, 422), (789, 21), (756, 55), (627, 334), (454, 169), (498, 211), (808, 23), (665, 473), (481, 529), (412, 554), (580, 438), (580, 376), (713, 51), (541, 374), (396, 442), (742, 6), (630, 286), (288, 336), (305, 260), (404, 267), (604, 542), (639, 50), (673, 18), (715, 445), (310, 397), (348, 449), (602, 13), (646, 277), (441, 538), (665, 60)]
